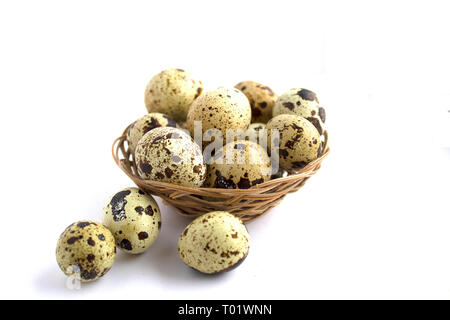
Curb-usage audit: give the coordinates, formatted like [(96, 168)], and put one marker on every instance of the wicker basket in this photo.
[(248, 204)]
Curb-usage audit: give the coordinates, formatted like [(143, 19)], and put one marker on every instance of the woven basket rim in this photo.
[(118, 145)]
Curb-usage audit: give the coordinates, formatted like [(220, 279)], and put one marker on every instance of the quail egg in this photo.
[(170, 155), (214, 242), (239, 164), (301, 102), (261, 97), (299, 141), (134, 219), (172, 92), (86, 250), (143, 125), (220, 109)]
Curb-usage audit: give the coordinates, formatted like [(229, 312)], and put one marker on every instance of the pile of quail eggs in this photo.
[(163, 148)]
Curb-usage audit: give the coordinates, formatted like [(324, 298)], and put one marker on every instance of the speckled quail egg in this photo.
[(214, 242), (86, 250), (261, 97), (134, 219), (220, 109), (244, 164), (170, 155), (299, 141), (172, 92), (301, 102), (144, 124)]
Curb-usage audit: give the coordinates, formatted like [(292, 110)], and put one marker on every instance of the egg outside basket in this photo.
[(248, 204)]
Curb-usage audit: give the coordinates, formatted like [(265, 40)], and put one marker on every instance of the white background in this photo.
[(373, 223)]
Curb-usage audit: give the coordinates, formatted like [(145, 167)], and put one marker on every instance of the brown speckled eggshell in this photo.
[(144, 124), (214, 242), (88, 247), (253, 170), (304, 103), (170, 155), (220, 109), (172, 92), (134, 219), (299, 141), (262, 99)]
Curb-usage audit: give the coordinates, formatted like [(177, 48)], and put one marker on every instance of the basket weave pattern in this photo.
[(247, 204)]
